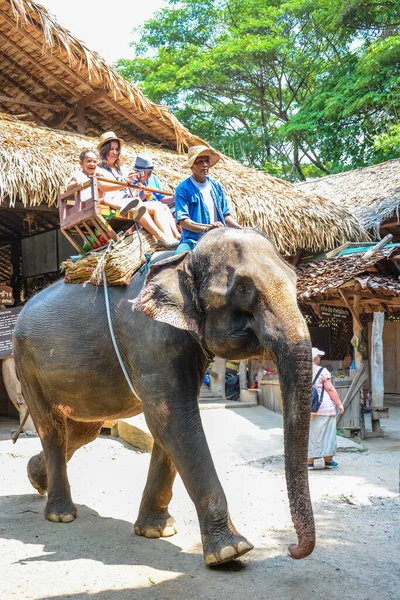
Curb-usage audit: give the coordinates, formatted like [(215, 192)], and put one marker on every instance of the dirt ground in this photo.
[(98, 557)]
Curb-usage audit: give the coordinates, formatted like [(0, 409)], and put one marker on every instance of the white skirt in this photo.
[(322, 438)]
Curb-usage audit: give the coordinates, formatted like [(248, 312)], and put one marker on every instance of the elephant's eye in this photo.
[(242, 289)]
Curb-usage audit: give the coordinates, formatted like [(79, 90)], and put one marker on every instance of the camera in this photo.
[(140, 174)]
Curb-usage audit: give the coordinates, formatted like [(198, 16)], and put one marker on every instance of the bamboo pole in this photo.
[(124, 184), (357, 329)]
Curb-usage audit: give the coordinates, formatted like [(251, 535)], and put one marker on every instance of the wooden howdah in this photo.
[(81, 214)]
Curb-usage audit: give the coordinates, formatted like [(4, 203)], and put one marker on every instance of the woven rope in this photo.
[(120, 261)]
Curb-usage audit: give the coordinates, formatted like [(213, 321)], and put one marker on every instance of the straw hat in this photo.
[(196, 151), (108, 136)]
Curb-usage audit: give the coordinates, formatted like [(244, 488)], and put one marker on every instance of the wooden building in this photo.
[(57, 97), (368, 287)]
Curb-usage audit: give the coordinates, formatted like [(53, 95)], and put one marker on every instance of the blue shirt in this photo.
[(189, 204), (152, 182)]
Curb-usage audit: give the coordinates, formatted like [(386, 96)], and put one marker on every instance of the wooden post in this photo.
[(16, 254), (217, 381), (357, 330), (243, 374), (80, 113), (377, 385)]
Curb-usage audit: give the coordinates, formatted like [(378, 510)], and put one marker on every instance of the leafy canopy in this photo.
[(302, 87)]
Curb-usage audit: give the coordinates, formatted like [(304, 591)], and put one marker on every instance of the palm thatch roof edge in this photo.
[(35, 161)]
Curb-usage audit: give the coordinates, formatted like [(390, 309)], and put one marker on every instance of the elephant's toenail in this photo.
[(244, 547), (211, 560), (227, 552), (67, 518)]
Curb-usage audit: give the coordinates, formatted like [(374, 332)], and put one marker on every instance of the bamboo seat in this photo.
[(81, 218)]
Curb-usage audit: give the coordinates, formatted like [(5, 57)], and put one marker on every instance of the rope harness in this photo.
[(110, 325)]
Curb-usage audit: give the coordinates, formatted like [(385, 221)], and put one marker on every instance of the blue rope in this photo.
[(114, 341)]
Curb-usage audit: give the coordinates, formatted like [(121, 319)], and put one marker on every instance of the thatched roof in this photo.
[(372, 193), (34, 161), (374, 279), (56, 80)]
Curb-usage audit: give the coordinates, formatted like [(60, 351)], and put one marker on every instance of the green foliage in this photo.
[(299, 88)]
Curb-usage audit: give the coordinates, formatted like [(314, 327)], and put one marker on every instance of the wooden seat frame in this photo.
[(80, 213)]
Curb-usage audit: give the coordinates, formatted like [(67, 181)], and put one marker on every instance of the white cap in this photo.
[(316, 352)]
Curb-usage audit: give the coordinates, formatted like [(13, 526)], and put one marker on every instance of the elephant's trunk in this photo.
[(290, 343), (295, 380)]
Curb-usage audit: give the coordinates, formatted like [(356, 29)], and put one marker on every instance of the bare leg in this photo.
[(154, 520), (163, 218), (148, 224)]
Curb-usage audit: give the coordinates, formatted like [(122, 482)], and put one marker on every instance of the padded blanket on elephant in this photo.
[(121, 260)]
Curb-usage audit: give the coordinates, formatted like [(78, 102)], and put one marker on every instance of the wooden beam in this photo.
[(21, 89), (78, 78), (59, 121), (132, 119), (34, 61), (378, 246), (39, 46), (81, 119), (352, 309), (336, 251), (33, 103), (19, 206), (87, 102), (92, 98), (296, 258)]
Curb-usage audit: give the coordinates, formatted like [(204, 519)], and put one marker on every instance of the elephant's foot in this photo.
[(61, 512), (156, 525), (219, 551), (37, 473)]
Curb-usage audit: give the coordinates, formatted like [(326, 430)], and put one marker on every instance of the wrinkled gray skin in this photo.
[(232, 297)]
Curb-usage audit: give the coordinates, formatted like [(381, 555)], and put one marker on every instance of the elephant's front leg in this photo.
[(154, 520), (182, 437)]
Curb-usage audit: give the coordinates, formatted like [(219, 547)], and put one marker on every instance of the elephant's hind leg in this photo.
[(52, 429), (154, 520), (37, 473), (73, 435), (79, 434)]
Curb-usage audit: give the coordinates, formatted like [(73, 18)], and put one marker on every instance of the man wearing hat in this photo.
[(200, 200)]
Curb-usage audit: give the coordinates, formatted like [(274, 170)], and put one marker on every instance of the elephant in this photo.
[(233, 297)]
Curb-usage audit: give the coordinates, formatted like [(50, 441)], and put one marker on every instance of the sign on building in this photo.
[(334, 312), (6, 295), (8, 319)]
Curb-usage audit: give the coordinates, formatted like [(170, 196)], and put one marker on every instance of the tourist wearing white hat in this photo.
[(322, 438), (200, 201)]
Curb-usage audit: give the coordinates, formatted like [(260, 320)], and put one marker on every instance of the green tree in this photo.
[(278, 85)]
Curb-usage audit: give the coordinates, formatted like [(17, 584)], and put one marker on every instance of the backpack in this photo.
[(316, 399)]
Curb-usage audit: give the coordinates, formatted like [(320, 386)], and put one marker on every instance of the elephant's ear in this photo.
[(169, 294)]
